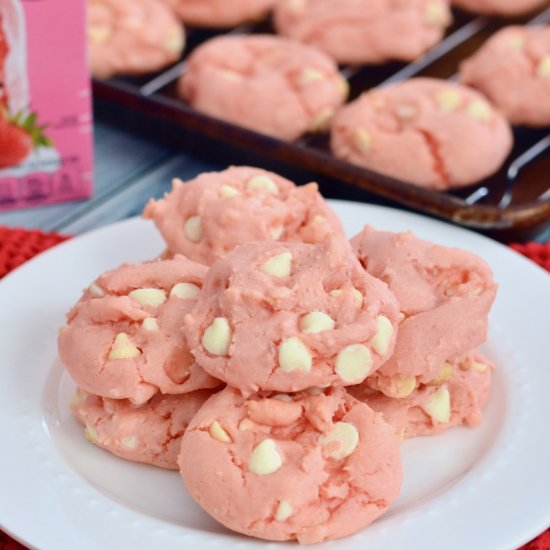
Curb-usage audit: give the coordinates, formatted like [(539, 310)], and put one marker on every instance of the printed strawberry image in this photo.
[(18, 137)]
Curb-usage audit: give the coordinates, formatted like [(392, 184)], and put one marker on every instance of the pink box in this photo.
[(45, 103)]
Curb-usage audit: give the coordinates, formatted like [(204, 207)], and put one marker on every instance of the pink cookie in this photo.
[(445, 296), (270, 84), (457, 397), (132, 36), (513, 70), (124, 338), (365, 31), (149, 433), (285, 317), (308, 467), (220, 13), (209, 216), (428, 132), (499, 7)]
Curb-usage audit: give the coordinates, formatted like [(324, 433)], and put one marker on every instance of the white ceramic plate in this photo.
[(484, 488)]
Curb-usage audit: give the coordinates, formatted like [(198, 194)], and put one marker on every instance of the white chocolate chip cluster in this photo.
[(285, 317)]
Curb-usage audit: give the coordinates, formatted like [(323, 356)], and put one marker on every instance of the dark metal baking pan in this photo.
[(515, 201)]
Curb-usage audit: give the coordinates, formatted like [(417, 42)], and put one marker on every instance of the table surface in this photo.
[(129, 170)]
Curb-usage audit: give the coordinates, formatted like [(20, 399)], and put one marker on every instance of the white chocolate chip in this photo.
[(98, 34), (218, 433), (378, 100), (344, 86), (479, 110), (294, 356), (230, 75), (309, 76), (353, 363), (90, 434), (439, 406), (217, 337), (397, 387), (193, 228), (355, 293), (153, 297), (174, 42), (78, 398), (445, 372), (382, 339), (543, 68), (185, 291), (405, 112), (265, 458), (129, 442), (322, 120), (226, 191), (284, 511), (246, 425), (278, 266), (276, 232), (436, 14), (363, 140), (479, 367), (283, 397), (517, 43), (150, 324), (358, 297), (448, 100), (346, 435), (123, 348), (96, 291), (316, 321), (262, 183)]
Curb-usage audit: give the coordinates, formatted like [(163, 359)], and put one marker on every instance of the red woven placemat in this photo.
[(19, 245)]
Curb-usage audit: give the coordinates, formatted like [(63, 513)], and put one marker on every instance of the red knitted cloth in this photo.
[(19, 245)]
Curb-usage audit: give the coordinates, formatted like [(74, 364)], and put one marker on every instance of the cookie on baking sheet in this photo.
[(132, 37), (209, 216), (266, 83), (427, 132), (499, 7), (309, 467), (365, 31), (124, 338), (220, 13), (456, 397), (513, 70), (288, 316), (445, 295), (149, 433)]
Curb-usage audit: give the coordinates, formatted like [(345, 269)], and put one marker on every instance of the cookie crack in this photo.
[(439, 165)]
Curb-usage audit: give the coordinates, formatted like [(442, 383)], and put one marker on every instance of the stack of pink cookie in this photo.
[(288, 326), (280, 373), (124, 345), (435, 378)]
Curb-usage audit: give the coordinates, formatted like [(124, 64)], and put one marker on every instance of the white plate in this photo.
[(484, 488)]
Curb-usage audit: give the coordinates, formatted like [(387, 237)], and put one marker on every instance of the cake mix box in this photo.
[(45, 103)]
